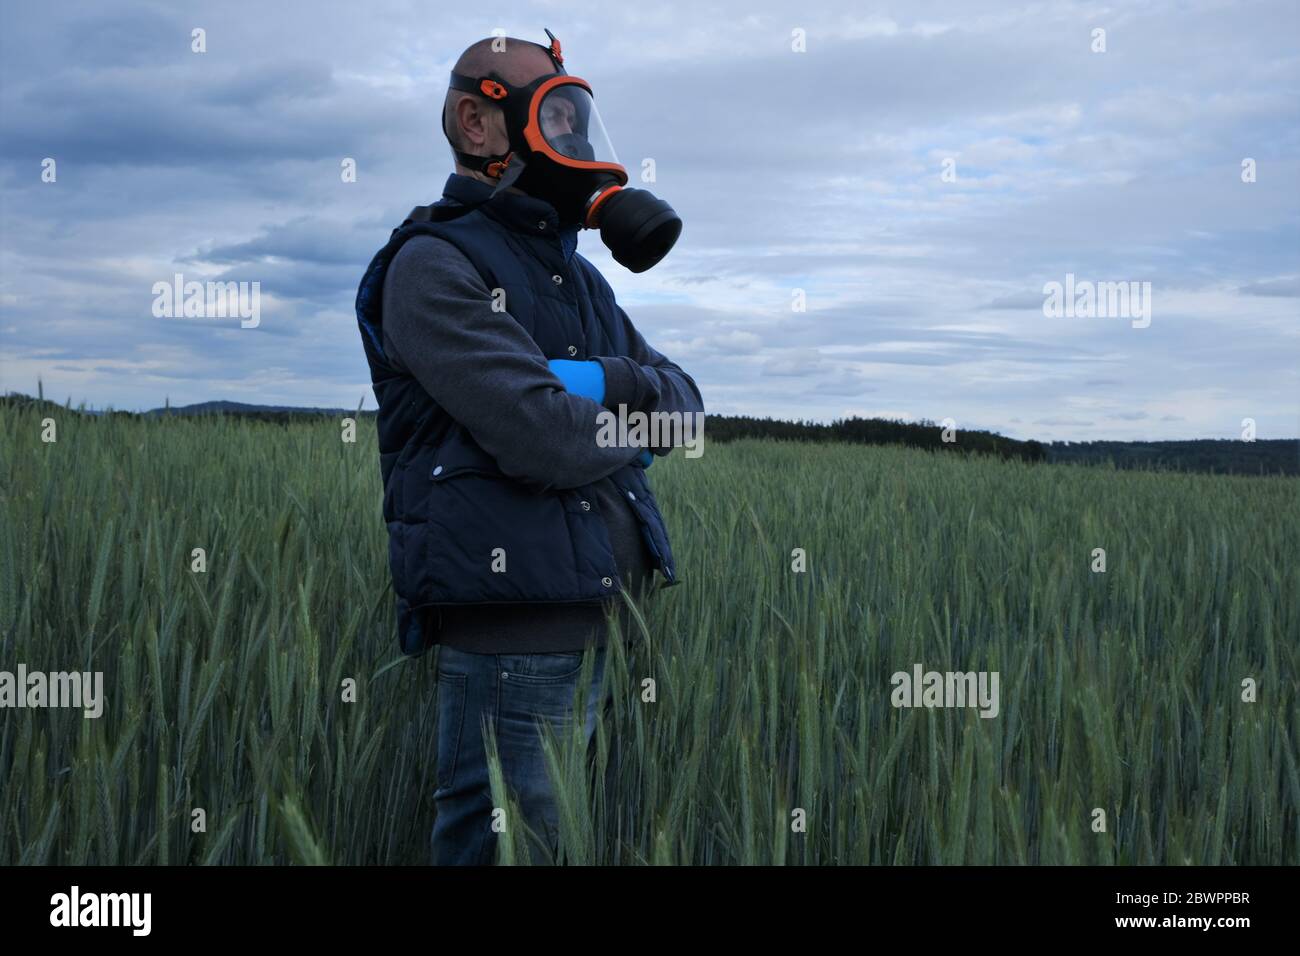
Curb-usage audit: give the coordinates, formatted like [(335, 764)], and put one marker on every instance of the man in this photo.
[(496, 353)]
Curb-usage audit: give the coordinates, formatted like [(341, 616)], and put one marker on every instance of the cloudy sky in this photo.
[(919, 170)]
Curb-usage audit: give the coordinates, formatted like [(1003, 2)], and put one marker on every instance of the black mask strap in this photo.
[(513, 101), (494, 88), (439, 212), (505, 168)]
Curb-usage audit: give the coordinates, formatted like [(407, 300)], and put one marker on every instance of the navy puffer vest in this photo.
[(446, 504)]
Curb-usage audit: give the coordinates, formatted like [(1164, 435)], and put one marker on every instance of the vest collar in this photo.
[(516, 210), (524, 213)]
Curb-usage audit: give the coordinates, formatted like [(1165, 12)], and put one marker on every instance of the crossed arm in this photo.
[(490, 376)]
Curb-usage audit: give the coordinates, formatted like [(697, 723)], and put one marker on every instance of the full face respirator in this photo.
[(559, 152)]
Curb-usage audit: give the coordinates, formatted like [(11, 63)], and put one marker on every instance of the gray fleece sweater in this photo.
[(490, 376)]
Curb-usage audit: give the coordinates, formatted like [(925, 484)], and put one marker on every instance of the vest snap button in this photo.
[(632, 496), (542, 225), (557, 279), (573, 350), (437, 471), (586, 506), (608, 582)]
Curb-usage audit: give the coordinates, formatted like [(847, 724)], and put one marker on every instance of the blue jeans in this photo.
[(514, 693)]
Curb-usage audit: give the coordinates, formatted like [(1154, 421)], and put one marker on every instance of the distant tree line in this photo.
[(873, 431), (1261, 457), (1277, 456)]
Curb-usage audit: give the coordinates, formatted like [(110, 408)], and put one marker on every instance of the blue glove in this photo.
[(582, 378), (587, 379)]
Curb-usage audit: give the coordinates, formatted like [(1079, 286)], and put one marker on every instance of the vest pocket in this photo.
[(635, 487), (486, 537), (459, 454)]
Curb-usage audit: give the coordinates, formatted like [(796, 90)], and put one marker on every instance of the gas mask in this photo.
[(559, 152)]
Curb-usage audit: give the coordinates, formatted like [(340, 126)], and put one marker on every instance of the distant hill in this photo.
[(1276, 456), (243, 408), (1262, 457)]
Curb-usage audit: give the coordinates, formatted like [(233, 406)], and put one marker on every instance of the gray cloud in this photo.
[(922, 294), (1284, 288)]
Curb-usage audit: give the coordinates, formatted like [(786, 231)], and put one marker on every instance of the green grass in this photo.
[(1119, 690)]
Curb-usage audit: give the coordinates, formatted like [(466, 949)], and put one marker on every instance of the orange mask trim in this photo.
[(592, 218), (537, 142)]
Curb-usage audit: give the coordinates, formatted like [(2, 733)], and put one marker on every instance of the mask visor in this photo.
[(570, 126)]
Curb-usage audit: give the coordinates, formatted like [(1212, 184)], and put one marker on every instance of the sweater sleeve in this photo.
[(486, 371), (647, 381)]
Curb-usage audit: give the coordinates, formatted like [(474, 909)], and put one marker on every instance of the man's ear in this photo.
[(471, 121)]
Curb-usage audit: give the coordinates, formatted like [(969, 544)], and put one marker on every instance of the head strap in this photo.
[(554, 51), (513, 99)]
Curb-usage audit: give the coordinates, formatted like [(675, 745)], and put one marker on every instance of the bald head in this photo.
[(516, 61), (475, 124)]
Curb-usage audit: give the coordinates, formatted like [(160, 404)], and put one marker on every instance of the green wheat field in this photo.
[(1120, 691)]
